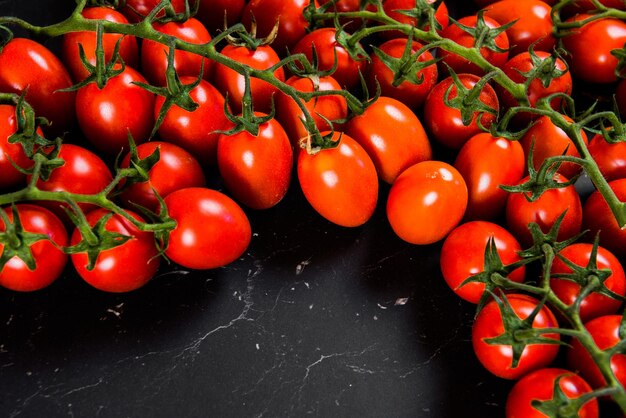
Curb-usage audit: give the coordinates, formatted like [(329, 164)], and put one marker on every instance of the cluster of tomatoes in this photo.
[(431, 98)]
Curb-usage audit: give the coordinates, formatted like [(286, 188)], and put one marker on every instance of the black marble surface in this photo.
[(313, 320)]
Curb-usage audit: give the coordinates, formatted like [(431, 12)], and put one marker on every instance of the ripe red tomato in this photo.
[(412, 95), (340, 183), (589, 48), (497, 358), (463, 255), (595, 304), (123, 268), (212, 230), (605, 333), (154, 54), (539, 385), (128, 49), (426, 202), (256, 169), (392, 7), (11, 153), (176, 169), (610, 158), (230, 82), (49, 258), (28, 66), (392, 135), (211, 13), (195, 131), (597, 217), (486, 163), (136, 10), (445, 124), (107, 116), (544, 212)]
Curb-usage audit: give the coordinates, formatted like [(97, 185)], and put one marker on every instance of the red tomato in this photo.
[(589, 48), (136, 10), (445, 123), (426, 202), (605, 333), (595, 304), (212, 230), (29, 66), (539, 385), (340, 183), (123, 268), (107, 116), (195, 131), (548, 140), (128, 49), (176, 169), (498, 358), (154, 54), (392, 9), (544, 212), (230, 82), (392, 135), (326, 48), (11, 153), (610, 158), (256, 169), (486, 163), (533, 23), (211, 13), (412, 95), (597, 217), (49, 258), (463, 255)]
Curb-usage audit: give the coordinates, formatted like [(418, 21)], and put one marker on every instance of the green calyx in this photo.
[(16, 241)]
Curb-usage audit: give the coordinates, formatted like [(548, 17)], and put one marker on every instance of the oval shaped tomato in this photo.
[(123, 268), (610, 157), (49, 258), (486, 163), (340, 183), (598, 218), (136, 10), (11, 153), (539, 386), (212, 230), (256, 169), (463, 255), (498, 358), (426, 202)]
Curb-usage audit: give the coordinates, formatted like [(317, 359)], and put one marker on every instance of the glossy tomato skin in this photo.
[(123, 268), (486, 163), (256, 169), (49, 257), (595, 304), (412, 95), (212, 230), (445, 124), (392, 135), (230, 82), (176, 169), (136, 10), (340, 183), (539, 385), (610, 157), (544, 212), (598, 218), (498, 358), (154, 54), (107, 115), (392, 7), (128, 49), (11, 153), (463, 255), (426, 202), (605, 333), (26, 65), (590, 48), (211, 13), (195, 131)]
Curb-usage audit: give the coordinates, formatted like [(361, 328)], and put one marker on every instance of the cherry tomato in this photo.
[(212, 230), (539, 386), (392, 135), (340, 183), (392, 9), (136, 10), (123, 268), (256, 169), (211, 13), (463, 255), (176, 169), (49, 258), (11, 153), (610, 157), (486, 163), (498, 358), (426, 202), (598, 218), (28, 66)]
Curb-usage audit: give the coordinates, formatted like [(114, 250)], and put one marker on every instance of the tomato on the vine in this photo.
[(394, 8), (598, 218), (136, 10), (11, 153), (610, 157)]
